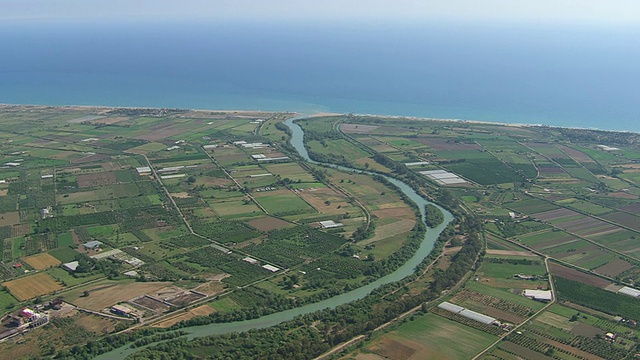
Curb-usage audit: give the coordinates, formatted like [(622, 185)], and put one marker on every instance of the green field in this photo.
[(284, 204), (431, 337)]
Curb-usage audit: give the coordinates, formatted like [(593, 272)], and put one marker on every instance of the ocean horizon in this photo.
[(583, 77)]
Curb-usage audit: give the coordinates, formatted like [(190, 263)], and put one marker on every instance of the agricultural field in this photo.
[(426, 337)]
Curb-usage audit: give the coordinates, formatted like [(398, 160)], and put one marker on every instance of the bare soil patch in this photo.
[(10, 218), (42, 261), (150, 303), (510, 253), (357, 128), (210, 288), (4, 192), (96, 179), (97, 324), (185, 298), (91, 158), (268, 223), (571, 274), (203, 310), (101, 296), (398, 212), (614, 268), (392, 349), (444, 145)]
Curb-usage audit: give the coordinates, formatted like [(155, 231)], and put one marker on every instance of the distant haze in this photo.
[(610, 12)]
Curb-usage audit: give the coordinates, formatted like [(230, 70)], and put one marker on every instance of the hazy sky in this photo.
[(606, 12)]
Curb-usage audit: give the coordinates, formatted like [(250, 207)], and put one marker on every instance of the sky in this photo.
[(598, 12)]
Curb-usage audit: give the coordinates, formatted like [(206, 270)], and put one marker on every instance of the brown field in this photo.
[(578, 156), (317, 197), (571, 274), (634, 208), (510, 252), (614, 268), (391, 349), (444, 144), (32, 286), (96, 179), (523, 352), (97, 324), (212, 287), (3, 192), (624, 219), (555, 214), (102, 296), (10, 218), (91, 158), (162, 131), (41, 261), (203, 310), (110, 166), (399, 212), (150, 303), (20, 230), (268, 223), (357, 128), (185, 298), (622, 195)]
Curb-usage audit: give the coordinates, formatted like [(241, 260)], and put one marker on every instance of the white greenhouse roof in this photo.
[(450, 307), (477, 316), (629, 291)]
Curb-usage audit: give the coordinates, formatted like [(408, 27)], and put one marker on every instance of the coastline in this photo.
[(317, 114)]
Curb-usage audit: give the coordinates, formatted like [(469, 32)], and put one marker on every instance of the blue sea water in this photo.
[(554, 75)]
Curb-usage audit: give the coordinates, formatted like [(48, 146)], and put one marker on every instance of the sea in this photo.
[(584, 76)]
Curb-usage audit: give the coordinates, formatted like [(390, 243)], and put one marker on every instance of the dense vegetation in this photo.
[(434, 216), (597, 298)]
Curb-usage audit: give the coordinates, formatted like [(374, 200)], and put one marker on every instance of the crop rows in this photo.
[(491, 301)]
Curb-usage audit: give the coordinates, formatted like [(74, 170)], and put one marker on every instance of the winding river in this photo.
[(271, 320)]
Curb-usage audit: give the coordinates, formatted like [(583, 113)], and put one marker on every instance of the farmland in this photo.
[(216, 212)]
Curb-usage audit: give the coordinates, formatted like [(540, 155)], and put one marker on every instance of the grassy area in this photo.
[(430, 337)]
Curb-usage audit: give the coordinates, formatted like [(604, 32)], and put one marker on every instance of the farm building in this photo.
[(143, 170), (92, 245), (210, 146), (122, 309), (250, 260), (417, 163), (270, 268), (540, 295), (328, 224), (469, 314), (629, 291), (132, 273), (71, 266)]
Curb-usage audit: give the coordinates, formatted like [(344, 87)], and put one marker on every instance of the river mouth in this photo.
[(407, 269)]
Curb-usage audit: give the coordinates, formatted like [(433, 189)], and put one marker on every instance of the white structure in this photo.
[(540, 295), (259, 156), (250, 260), (477, 317), (71, 266), (608, 148), (417, 163), (270, 268), (175, 147), (629, 291), (450, 307), (210, 146), (443, 177), (143, 170), (47, 176), (469, 314), (328, 224)]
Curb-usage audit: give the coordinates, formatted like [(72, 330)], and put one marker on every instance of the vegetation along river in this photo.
[(403, 271)]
